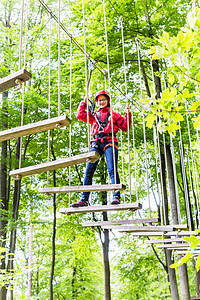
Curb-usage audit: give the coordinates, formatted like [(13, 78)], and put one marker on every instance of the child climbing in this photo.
[(102, 140)]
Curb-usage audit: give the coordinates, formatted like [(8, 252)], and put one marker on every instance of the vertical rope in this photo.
[(104, 9), (175, 179), (135, 158), (144, 130), (23, 91), (85, 53), (21, 34), (157, 175), (26, 32), (192, 160), (155, 147), (70, 114), (58, 57), (124, 62), (49, 95), (174, 166)]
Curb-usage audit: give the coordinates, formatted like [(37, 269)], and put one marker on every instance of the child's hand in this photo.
[(85, 99), (127, 106)]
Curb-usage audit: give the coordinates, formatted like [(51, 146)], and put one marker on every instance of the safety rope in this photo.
[(49, 95), (144, 130), (85, 55), (184, 179), (70, 114), (111, 109), (23, 87), (58, 57), (97, 66), (124, 63)]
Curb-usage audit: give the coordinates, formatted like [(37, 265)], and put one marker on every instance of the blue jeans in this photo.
[(91, 168)]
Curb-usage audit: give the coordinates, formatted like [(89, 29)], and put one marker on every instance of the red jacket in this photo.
[(119, 122)]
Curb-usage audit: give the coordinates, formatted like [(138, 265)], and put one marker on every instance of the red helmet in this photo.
[(102, 93)]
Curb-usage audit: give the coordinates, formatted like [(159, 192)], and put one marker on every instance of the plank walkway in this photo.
[(84, 188), (9, 81), (33, 128), (55, 164), (100, 208), (118, 222)]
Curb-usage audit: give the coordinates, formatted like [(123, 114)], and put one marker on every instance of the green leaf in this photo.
[(198, 263), (171, 78), (183, 260)]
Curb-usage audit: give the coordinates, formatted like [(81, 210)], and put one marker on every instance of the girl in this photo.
[(102, 140)]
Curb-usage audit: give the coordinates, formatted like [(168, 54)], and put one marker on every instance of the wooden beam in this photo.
[(84, 188), (101, 208), (118, 222), (55, 164), (33, 128), (9, 81), (139, 228)]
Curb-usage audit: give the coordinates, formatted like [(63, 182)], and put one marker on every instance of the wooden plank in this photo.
[(180, 233), (172, 240), (9, 81), (146, 234), (56, 164), (139, 228), (33, 128), (170, 246), (83, 188), (118, 222), (183, 252), (100, 208)]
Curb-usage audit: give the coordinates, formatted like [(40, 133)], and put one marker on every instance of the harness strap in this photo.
[(101, 124), (102, 135), (109, 145)]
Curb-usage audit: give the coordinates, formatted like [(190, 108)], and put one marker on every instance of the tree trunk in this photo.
[(183, 275), (15, 209), (105, 243), (3, 193), (171, 275), (30, 261), (197, 283)]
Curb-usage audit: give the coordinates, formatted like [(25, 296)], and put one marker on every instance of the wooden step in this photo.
[(36, 127), (118, 222), (100, 208), (183, 252), (161, 241), (175, 246), (9, 81), (181, 233), (139, 228), (55, 164), (83, 188)]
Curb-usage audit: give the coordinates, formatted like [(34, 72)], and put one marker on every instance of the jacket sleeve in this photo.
[(82, 113), (122, 122)]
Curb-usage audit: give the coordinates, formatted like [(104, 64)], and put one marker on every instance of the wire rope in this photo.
[(111, 108), (144, 130), (124, 63)]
